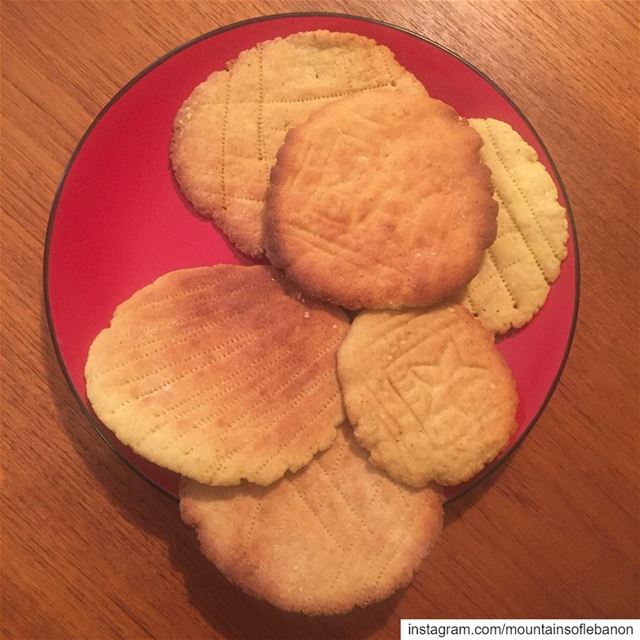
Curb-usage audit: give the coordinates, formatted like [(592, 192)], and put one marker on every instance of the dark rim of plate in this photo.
[(490, 468)]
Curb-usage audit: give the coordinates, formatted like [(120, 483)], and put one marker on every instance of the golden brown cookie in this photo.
[(228, 131), (517, 270), (335, 535), (219, 373), (427, 392), (380, 200)]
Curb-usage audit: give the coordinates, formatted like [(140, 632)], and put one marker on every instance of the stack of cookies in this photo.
[(316, 406)]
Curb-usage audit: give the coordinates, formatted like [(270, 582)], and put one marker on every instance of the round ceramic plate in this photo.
[(119, 221)]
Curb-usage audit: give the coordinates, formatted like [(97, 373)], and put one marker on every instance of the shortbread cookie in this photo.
[(517, 270), (380, 200), (427, 392), (335, 535), (219, 373), (227, 133)]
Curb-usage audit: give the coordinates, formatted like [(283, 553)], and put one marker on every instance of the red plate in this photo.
[(118, 220)]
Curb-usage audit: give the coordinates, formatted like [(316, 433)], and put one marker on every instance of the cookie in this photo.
[(380, 200), (335, 535), (518, 269), (228, 131), (427, 393), (219, 373)]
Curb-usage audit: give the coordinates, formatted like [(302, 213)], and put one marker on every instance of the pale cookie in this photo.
[(219, 373), (228, 131), (517, 270), (380, 200), (338, 534), (427, 392)]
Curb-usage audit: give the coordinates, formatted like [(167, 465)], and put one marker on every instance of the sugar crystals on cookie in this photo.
[(380, 200), (337, 534)]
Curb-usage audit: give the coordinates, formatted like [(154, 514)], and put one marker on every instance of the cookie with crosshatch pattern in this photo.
[(427, 393), (531, 243), (227, 132), (220, 373), (337, 534), (380, 200)]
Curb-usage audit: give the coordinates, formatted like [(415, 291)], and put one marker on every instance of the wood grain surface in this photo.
[(91, 550)]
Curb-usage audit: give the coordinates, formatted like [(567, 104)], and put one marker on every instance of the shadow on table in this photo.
[(458, 507), (225, 607)]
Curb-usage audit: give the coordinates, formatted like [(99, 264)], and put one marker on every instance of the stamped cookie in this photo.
[(427, 392), (219, 373), (517, 270), (228, 131), (335, 535), (380, 200)]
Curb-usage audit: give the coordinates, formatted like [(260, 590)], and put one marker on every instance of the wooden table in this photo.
[(90, 550)]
